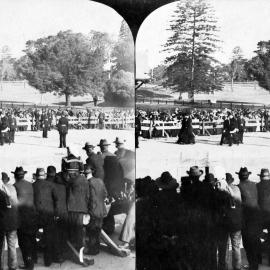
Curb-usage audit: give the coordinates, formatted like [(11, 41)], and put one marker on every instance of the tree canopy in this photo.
[(65, 64), (190, 64)]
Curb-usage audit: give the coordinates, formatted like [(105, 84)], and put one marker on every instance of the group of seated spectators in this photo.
[(71, 207), (201, 222)]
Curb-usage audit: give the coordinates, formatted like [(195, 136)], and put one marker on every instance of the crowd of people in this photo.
[(194, 224), (205, 115), (230, 123), (47, 119), (73, 207)]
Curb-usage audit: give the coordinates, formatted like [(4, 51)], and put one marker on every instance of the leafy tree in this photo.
[(258, 67), (191, 47), (123, 51), (66, 64), (236, 68), (158, 73), (119, 90)]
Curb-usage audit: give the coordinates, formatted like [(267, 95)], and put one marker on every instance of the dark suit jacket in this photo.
[(63, 125), (26, 207), (264, 198), (98, 194), (78, 195), (9, 216), (96, 161), (45, 198)]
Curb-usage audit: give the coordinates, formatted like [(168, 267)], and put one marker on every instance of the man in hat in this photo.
[(8, 221), (166, 215), (78, 198), (51, 174), (45, 124), (97, 210), (27, 218), (232, 227), (251, 218), (191, 182), (264, 202), (46, 203), (138, 129), (94, 160), (127, 160), (63, 129), (241, 125), (12, 124), (226, 130), (104, 149)]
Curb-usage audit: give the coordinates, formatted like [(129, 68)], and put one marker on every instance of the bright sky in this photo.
[(22, 20), (242, 23)]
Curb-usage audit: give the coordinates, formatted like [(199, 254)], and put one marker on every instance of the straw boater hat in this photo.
[(88, 145), (166, 181), (264, 174), (19, 171), (243, 172), (103, 142), (194, 171)]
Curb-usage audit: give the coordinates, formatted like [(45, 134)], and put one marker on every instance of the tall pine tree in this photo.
[(190, 48)]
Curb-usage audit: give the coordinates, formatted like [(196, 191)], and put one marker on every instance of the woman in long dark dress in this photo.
[(186, 135)]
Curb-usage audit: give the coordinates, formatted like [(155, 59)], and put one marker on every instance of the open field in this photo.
[(157, 155), (31, 151)]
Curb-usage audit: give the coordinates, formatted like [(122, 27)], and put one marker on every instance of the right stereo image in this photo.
[(202, 136)]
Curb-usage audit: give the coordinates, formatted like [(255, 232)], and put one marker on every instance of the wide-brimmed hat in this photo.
[(229, 178), (103, 142), (40, 174), (166, 181), (243, 172), (194, 171), (264, 173), (88, 145), (119, 141), (210, 178), (19, 171)]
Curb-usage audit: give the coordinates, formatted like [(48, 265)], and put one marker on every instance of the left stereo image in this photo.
[(67, 151)]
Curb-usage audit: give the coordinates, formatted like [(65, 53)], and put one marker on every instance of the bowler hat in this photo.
[(264, 173), (194, 171), (19, 171), (243, 171), (40, 173), (210, 178), (88, 145), (119, 140), (103, 142), (166, 181)]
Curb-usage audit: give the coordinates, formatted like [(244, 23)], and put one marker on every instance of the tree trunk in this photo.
[(232, 84), (191, 92), (68, 103)]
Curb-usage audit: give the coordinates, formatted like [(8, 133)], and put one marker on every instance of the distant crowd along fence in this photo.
[(25, 124), (171, 128), (205, 104)]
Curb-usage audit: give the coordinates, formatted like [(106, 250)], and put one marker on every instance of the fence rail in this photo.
[(172, 128)]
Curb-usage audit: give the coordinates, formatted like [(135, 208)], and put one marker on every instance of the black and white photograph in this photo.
[(202, 136), (67, 120)]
